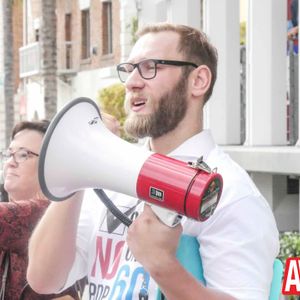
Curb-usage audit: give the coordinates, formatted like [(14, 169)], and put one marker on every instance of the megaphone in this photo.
[(79, 152)]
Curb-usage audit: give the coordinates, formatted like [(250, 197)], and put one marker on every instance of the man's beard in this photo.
[(171, 110)]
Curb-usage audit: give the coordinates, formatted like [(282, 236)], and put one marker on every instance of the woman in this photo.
[(24, 208)]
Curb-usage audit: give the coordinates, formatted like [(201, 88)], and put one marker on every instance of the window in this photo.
[(292, 185), (68, 24), (85, 34), (36, 35), (68, 41), (107, 46)]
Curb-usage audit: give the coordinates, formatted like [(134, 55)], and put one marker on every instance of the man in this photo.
[(168, 77)]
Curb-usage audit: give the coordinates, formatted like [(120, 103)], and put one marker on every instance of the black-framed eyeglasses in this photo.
[(19, 156), (148, 68)]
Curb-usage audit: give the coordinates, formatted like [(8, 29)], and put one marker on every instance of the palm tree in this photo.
[(8, 80), (49, 66)]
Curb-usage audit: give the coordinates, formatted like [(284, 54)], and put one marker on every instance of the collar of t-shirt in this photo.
[(196, 146)]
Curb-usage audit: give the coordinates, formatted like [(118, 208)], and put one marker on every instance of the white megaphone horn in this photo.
[(79, 152)]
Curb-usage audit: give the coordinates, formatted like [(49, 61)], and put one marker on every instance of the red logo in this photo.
[(291, 280)]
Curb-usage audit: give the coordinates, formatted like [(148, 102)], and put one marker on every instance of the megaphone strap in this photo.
[(111, 206)]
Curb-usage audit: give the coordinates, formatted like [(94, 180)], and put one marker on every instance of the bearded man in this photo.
[(169, 76)]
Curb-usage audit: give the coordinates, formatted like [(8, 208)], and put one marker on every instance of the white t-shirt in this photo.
[(238, 244)]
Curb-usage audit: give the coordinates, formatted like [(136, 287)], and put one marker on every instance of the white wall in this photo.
[(222, 112), (266, 73), (35, 99), (86, 84)]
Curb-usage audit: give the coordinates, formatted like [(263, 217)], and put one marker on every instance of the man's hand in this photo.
[(151, 242)]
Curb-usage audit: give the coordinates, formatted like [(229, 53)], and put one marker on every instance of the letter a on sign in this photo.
[(291, 281)]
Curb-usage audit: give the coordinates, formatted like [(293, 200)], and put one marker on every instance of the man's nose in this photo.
[(134, 80)]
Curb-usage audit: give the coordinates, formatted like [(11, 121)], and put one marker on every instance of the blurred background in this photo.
[(54, 51)]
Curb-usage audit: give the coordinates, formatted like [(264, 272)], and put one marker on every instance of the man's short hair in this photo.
[(193, 43)]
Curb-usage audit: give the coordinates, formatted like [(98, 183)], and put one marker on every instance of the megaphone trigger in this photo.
[(166, 216)]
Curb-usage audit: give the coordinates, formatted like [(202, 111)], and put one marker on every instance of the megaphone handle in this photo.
[(168, 217)]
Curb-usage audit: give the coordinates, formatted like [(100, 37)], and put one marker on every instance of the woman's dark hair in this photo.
[(40, 126)]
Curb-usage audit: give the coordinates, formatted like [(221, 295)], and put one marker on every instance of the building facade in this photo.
[(92, 37)]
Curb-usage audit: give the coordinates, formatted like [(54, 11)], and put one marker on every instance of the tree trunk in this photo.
[(49, 66), (8, 80)]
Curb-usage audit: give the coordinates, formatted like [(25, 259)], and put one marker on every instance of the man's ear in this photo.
[(201, 80)]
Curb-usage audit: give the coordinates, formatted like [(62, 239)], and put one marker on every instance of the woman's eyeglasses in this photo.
[(19, 155)]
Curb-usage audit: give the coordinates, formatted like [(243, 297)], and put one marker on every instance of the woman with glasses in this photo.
[(24, 208)]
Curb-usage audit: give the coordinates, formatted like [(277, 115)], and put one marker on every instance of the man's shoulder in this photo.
[(237, 183)]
